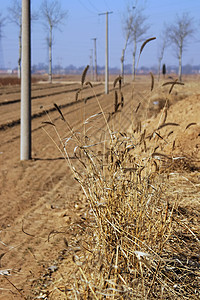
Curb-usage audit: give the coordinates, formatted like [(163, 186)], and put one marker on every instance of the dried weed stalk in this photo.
[(136, 254), (137, 239)]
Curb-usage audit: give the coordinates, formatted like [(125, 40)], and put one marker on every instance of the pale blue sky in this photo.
[(73, 43)]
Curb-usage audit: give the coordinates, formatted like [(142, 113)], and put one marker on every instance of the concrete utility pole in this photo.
[(91, 64), (25, 151), (107, 58), (95, 58)]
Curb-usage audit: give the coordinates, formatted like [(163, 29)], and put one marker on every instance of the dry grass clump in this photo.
[(141, 244), (137, 247)]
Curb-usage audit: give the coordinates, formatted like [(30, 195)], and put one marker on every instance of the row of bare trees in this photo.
[(135, 28), (176, 35), (52, 16)]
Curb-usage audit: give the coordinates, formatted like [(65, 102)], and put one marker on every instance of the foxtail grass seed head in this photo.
[(146, 42), (59, 110), (190, 124), (118, 79), (152, 81), (84, 74), (173, 83)]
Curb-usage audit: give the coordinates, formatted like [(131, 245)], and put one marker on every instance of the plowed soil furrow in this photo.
[(74, 118), (10, 116), (77, 109), (41, 93), (5, 90)]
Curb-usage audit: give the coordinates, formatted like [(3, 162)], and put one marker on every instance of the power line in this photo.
[(106, 4), (94, 7), (95, 58), (91, 63), (86, 7)]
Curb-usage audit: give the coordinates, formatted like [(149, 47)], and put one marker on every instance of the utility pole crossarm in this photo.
[(107, 12), (106, 64)]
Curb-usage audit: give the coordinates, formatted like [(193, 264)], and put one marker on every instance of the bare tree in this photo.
[(53, 16), (135, 28), (15, 16), (178, 33), (127, 30)]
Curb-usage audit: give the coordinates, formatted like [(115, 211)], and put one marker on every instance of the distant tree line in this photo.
[(71, 69)]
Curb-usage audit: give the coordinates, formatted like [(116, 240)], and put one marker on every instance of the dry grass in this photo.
[(142, 242)]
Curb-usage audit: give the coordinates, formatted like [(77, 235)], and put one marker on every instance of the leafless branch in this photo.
[(52, 13)]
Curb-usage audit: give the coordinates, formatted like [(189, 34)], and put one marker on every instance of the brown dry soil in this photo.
[(43, 211)]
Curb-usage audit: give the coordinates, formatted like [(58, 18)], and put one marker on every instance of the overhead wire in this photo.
[(93, 6), (107, 5), (85, 7)]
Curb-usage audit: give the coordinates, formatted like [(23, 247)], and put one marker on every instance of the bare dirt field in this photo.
[(42, 208)]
